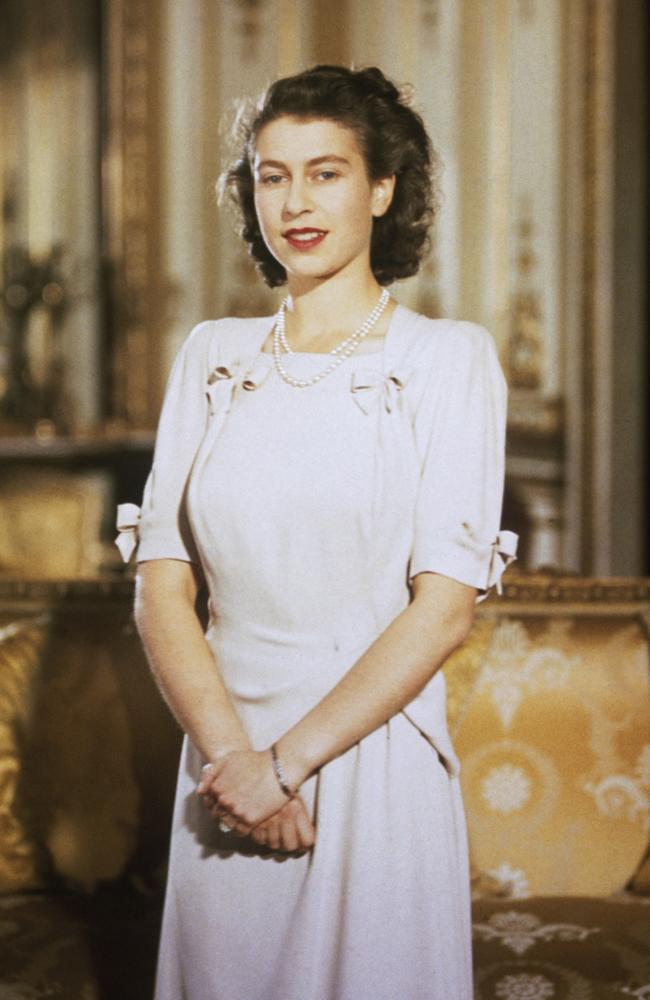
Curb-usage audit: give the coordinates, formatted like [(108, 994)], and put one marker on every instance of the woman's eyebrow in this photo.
[(328, 158)]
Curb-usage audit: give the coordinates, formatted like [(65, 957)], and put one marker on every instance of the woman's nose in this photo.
[(297, 198)]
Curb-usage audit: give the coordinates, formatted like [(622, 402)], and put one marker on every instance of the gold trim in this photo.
[(249, 27), (330, 31), (139, 293), (573, 589), (519, 588), (212, 156), (500, 167), (525, 361), (430, 16), (408, 49), (597, 319), (289, 38), (527, 12), (532, 414), (429, 298), (127, 171)]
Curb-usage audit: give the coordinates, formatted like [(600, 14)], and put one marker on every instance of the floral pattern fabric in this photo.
[(555, 756)]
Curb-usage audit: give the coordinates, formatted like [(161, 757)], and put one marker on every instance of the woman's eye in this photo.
[(271, 179), (327, 175)]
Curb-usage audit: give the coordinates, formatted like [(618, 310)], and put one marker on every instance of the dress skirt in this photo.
[(378, 909)]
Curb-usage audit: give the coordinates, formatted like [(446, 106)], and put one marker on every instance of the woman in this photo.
[(335, 474)]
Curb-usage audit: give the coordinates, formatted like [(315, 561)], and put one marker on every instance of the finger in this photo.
[(222, 814), (288, 834), (211, 778), (273, 833), (239, 828), (227, 823), (260, 834), (305, 828), (207, 773)]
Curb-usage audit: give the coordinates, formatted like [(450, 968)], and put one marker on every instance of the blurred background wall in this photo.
[(113, 129)]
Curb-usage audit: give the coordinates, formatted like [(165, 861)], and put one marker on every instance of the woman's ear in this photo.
[(382, 195)]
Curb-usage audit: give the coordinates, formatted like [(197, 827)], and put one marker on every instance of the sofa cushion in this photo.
[(78, 766), (574, 948), (462, 670), (555, 753), (641, 880), (67, 946), (69, 800), (51, 522), (22, 862)]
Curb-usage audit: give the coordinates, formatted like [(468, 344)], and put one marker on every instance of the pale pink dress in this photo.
[(309, 509)]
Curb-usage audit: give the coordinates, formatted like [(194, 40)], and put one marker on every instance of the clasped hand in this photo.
[(242, 790)]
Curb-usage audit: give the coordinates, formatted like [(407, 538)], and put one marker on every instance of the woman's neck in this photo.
[(317, 318)]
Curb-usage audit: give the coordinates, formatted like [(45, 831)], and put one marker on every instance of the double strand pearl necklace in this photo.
[(340, 352)]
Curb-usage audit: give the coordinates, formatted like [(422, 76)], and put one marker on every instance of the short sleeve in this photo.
[(164, 530), (462, 422)]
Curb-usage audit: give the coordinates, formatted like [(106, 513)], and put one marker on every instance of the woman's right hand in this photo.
[(288, 830)]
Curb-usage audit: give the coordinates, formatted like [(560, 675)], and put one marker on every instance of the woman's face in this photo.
[(314, 200)]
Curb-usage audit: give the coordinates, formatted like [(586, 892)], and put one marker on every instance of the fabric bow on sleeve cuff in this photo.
[(504, 552), (128, 521), (463, 555)]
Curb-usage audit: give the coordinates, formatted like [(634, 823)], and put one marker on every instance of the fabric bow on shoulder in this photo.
[(225, 379), (370, 388)]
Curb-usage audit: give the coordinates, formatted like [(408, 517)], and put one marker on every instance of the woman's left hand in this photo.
[(244, 787)]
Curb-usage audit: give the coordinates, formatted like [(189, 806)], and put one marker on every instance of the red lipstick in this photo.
[(304, 239)]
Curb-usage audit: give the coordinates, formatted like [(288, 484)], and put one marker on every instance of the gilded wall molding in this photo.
[(517, 587), (527, 11), (525, 355), (140, 294), (248, 26), (533, 416), (597, 315), (430, 16), (429, 299)]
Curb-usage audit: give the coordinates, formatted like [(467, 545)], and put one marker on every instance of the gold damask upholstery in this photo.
[(21, 644), (88, 756), (641, 880), (553, 949), (556, 670), (554, 742), (68, 796), (51, 523), (462, 670)]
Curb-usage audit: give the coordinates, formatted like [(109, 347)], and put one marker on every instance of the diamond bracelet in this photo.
[(278, 770)]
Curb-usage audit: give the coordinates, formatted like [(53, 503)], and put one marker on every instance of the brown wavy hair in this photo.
[(392, 138)]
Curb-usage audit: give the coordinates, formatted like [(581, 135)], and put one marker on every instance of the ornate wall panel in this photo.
[(131, 173), (437, 83), (535, 313), (247, 57), (386, 35), (49, 231), (533, 323), (598, 311), (190, 38)]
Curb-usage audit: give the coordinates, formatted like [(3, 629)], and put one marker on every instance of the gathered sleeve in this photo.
[(164, 531), (461, 423)]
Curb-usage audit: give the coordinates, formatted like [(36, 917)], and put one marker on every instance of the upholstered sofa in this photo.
[(550, 712)]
